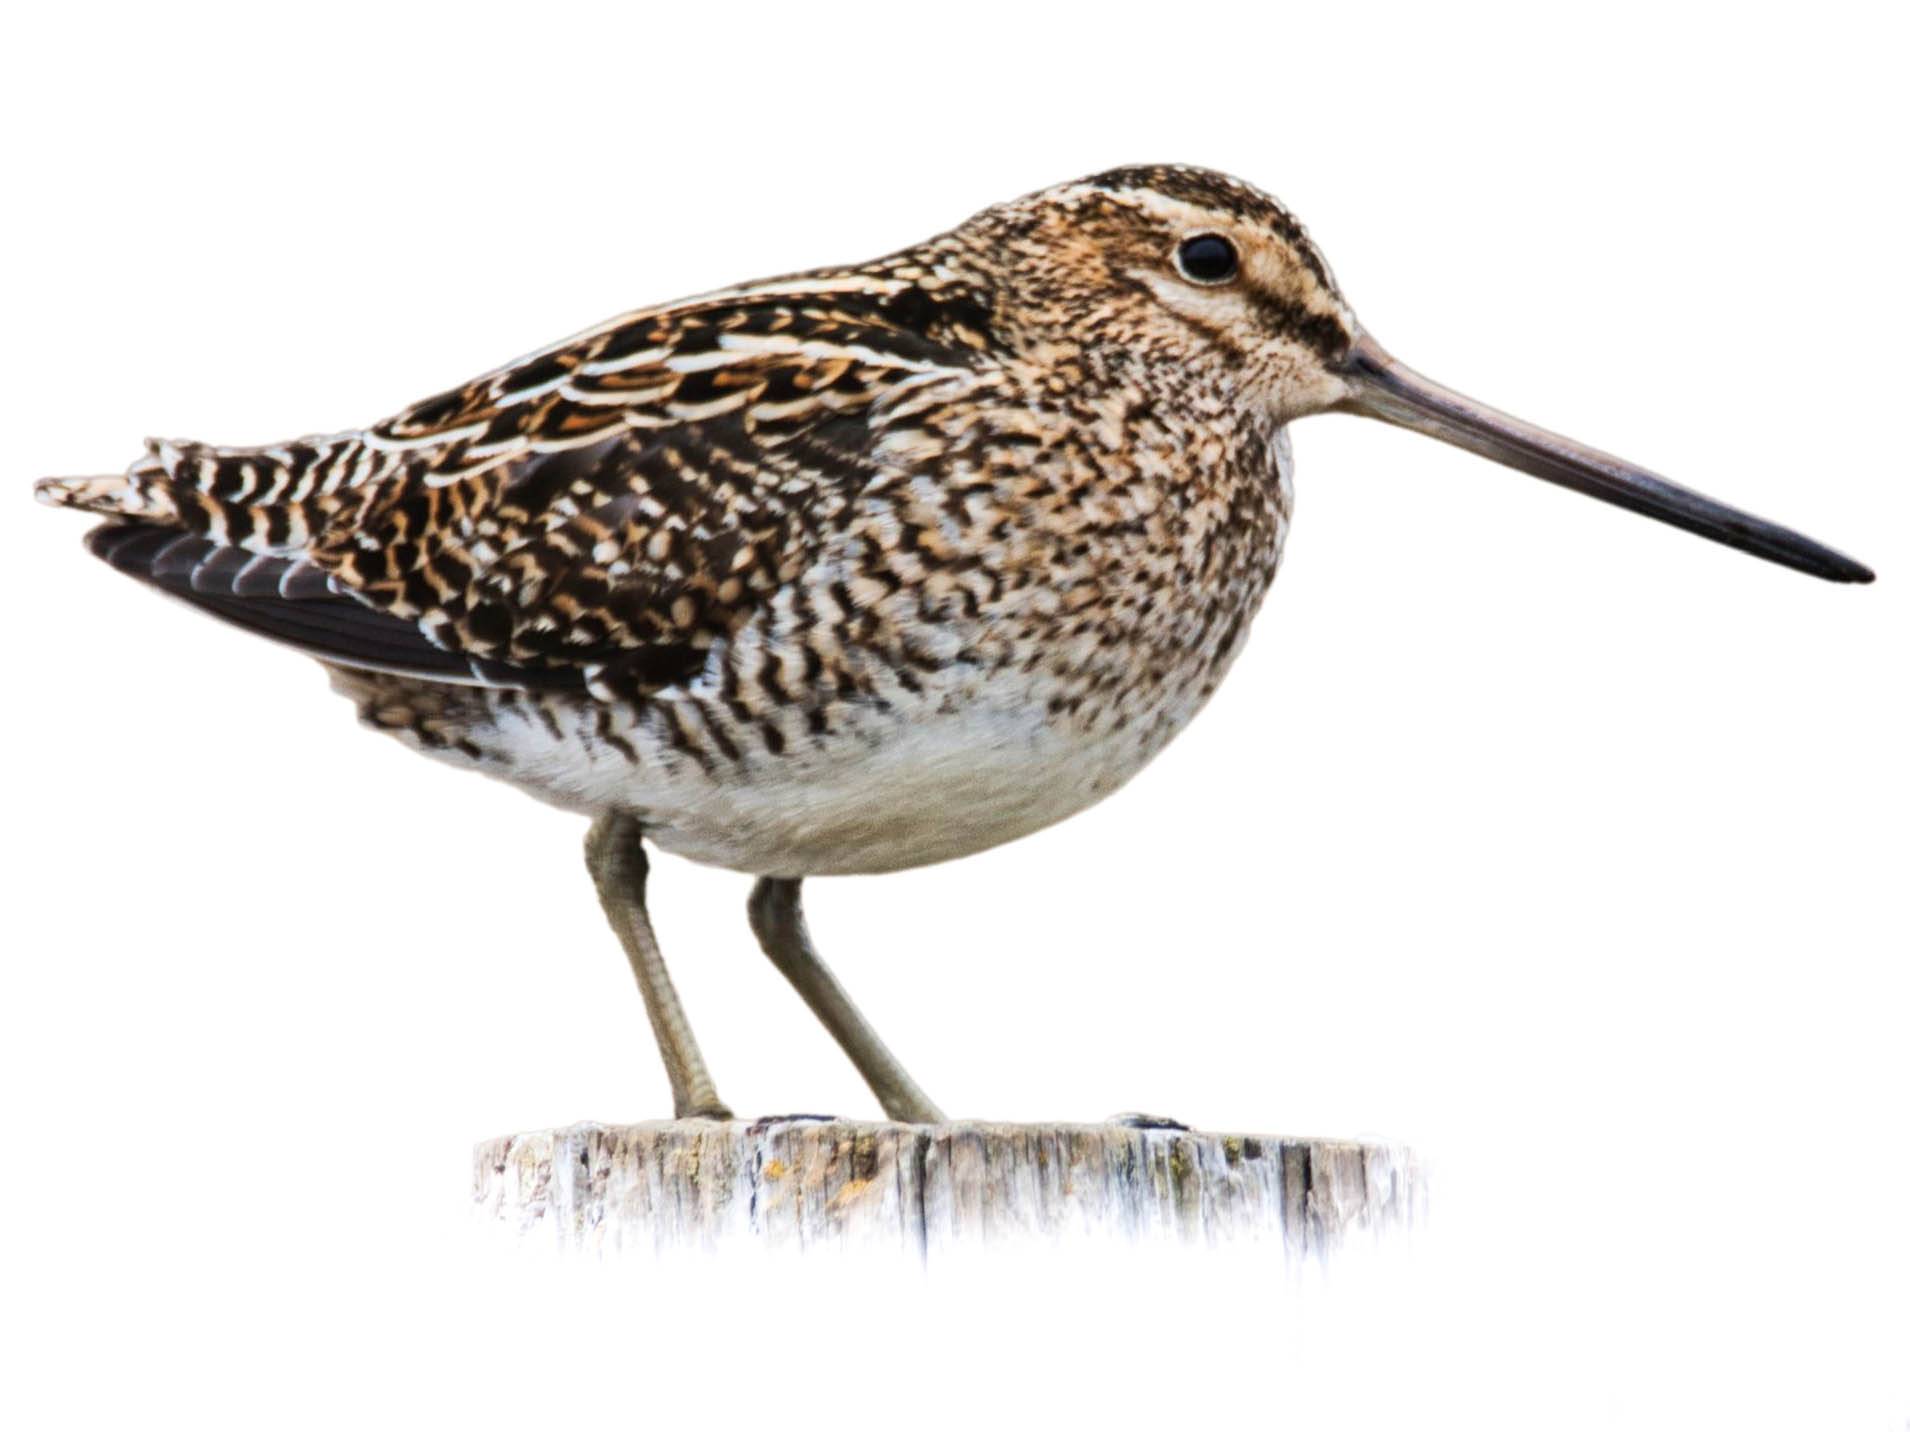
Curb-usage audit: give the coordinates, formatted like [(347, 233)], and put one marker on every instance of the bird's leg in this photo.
[(775, 913), (614, 852)]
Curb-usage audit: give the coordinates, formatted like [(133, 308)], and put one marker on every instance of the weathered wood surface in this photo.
[(923, 1188)]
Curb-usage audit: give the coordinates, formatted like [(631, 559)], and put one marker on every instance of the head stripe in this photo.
[(1212, 190)]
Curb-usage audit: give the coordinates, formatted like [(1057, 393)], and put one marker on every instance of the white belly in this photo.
[(893, 793)]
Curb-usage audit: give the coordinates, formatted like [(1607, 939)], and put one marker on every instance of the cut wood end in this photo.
[(922, 1187)]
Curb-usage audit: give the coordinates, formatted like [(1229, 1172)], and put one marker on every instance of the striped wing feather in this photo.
[(598, 513)]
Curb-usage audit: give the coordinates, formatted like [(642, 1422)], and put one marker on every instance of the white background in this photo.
[(1565, 846)]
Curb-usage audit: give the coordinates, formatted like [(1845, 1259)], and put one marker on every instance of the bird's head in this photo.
[(1181, 270), (1177, 271)]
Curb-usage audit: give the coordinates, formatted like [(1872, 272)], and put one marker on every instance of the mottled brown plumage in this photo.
[(844, 571)]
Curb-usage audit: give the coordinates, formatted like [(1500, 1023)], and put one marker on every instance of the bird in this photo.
[(841, 572)]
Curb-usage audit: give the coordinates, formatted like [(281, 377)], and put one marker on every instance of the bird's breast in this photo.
[(964, 664), (934, 687)]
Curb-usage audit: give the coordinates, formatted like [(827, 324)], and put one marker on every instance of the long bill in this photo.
[(1387, 389)]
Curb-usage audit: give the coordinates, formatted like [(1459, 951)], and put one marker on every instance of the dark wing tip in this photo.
[(295, 603)]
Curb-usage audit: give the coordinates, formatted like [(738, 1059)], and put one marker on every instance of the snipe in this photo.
[(848, 571)]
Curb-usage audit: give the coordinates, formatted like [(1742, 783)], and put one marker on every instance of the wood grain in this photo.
[(924, 1188)]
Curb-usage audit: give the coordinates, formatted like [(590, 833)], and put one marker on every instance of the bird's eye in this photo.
[(1207, 258)]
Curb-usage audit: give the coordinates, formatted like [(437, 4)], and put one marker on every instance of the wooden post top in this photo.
[(922, 1188)]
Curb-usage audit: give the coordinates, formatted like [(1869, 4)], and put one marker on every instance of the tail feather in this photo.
[(147, 490), (228, 530), (121, 496), (237, 532), (262, 499)]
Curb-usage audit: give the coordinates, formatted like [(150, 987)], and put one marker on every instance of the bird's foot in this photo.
[(758, 1125), (1147, 1121)]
